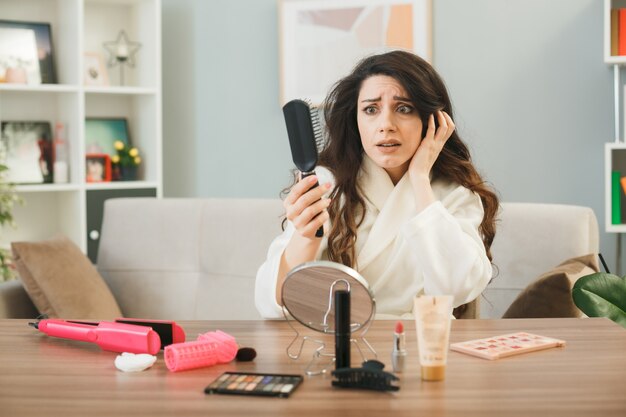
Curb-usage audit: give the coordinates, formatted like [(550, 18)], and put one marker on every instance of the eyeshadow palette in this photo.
[(241, 383), (506, 345)]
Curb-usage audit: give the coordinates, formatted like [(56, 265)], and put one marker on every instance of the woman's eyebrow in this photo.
[(374, 100)]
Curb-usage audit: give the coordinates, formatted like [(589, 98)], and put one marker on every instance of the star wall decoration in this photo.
[(122, 51)]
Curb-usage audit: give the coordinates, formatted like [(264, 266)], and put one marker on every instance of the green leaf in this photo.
[(602, 295)]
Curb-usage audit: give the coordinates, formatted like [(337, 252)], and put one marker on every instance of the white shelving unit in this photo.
[(80, 26), (614, 151)]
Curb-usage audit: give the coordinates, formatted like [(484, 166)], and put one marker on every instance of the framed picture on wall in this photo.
[(322, 40), (26, 53), (101, 134), (28, 147)]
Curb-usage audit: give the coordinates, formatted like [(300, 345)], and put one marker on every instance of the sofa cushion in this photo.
[(62, 282), (551, 294)]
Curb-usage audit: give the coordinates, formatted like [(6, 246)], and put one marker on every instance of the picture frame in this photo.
[(102, 132), (322, 40), (94, 72), (26, 53), (29, 151), (97, 167)]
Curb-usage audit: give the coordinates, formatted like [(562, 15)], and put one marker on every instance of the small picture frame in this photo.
[(97, 167), (26, 53), (102, 132), (29, 151), (95, 72)]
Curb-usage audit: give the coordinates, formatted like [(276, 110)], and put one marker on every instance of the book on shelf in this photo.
[(614, 31), (618, 31), (616, 196)]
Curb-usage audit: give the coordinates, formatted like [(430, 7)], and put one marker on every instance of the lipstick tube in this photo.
[(398, 354)]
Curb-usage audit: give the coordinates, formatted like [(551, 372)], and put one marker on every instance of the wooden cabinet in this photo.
[(95, 211)]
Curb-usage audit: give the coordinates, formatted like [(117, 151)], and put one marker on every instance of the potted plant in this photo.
[(8, 198), (126, 162), (602, 295)]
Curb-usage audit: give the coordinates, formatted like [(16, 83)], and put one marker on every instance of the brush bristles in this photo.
[(318, 132)]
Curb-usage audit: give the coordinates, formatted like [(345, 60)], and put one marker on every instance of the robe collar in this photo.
[(395, 205)]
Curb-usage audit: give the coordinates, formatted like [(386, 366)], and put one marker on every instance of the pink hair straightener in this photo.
[(122, 335)]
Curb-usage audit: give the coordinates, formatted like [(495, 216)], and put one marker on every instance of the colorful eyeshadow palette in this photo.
[(268, 385), (506, 345)]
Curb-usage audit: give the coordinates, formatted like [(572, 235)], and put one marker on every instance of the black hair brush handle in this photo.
[(319, 232), (305, 134)]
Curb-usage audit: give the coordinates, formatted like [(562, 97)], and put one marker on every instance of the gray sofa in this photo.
[(197, 258)]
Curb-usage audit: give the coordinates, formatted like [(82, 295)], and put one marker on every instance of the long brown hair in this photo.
[(343, 152)]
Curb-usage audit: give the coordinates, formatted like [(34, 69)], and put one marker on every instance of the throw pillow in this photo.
[(551, 294), (62, 282)]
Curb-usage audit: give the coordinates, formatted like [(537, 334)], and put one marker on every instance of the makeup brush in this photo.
[(305, 137)]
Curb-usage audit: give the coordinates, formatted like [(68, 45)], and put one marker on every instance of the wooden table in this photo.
[(44, 376)]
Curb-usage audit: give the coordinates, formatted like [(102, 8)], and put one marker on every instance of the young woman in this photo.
[(399, 198)]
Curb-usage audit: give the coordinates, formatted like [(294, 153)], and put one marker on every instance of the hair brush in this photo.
[(305, 136)]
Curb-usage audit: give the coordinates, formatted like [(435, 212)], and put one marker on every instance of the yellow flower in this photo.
[(115, 159), (119, 145), (137, 160), (133, 152)]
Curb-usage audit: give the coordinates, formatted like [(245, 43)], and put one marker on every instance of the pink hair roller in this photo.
[(210, 349), (228, 350)]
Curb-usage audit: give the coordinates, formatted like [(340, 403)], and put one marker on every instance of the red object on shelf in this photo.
[(621, 44), (98, 167)]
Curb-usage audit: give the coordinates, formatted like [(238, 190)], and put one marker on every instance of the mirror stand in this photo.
[(317, 365), (308, 298)]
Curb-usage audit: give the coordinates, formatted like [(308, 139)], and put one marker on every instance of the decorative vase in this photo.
[(128, 173)]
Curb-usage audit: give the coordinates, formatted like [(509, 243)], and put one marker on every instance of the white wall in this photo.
[(532, 96)]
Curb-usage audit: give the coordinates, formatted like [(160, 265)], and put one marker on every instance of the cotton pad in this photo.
[(130, 362)]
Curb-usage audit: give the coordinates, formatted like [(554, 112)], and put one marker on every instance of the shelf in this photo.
[(121, 185), (112, 185), (614, 151), (608, 58), (120, 90), (614, 161), (79, 27), (616, 60), (115, 2), (42, 88), (43, 188), (616, 228)]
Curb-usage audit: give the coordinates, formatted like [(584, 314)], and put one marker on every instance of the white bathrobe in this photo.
[(402, 253)]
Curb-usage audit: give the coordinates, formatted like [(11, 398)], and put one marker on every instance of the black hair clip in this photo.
[(370, 376)]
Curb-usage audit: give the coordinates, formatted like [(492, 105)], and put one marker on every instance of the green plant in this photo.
[(126, 157), (602, 295), (8, 198), (125, 163)]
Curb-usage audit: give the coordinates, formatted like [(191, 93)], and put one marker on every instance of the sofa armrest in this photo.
[(15, 302)]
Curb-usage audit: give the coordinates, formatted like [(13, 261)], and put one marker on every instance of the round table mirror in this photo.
[(308, 295)]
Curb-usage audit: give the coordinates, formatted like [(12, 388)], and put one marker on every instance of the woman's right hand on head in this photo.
[(306, 207)]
